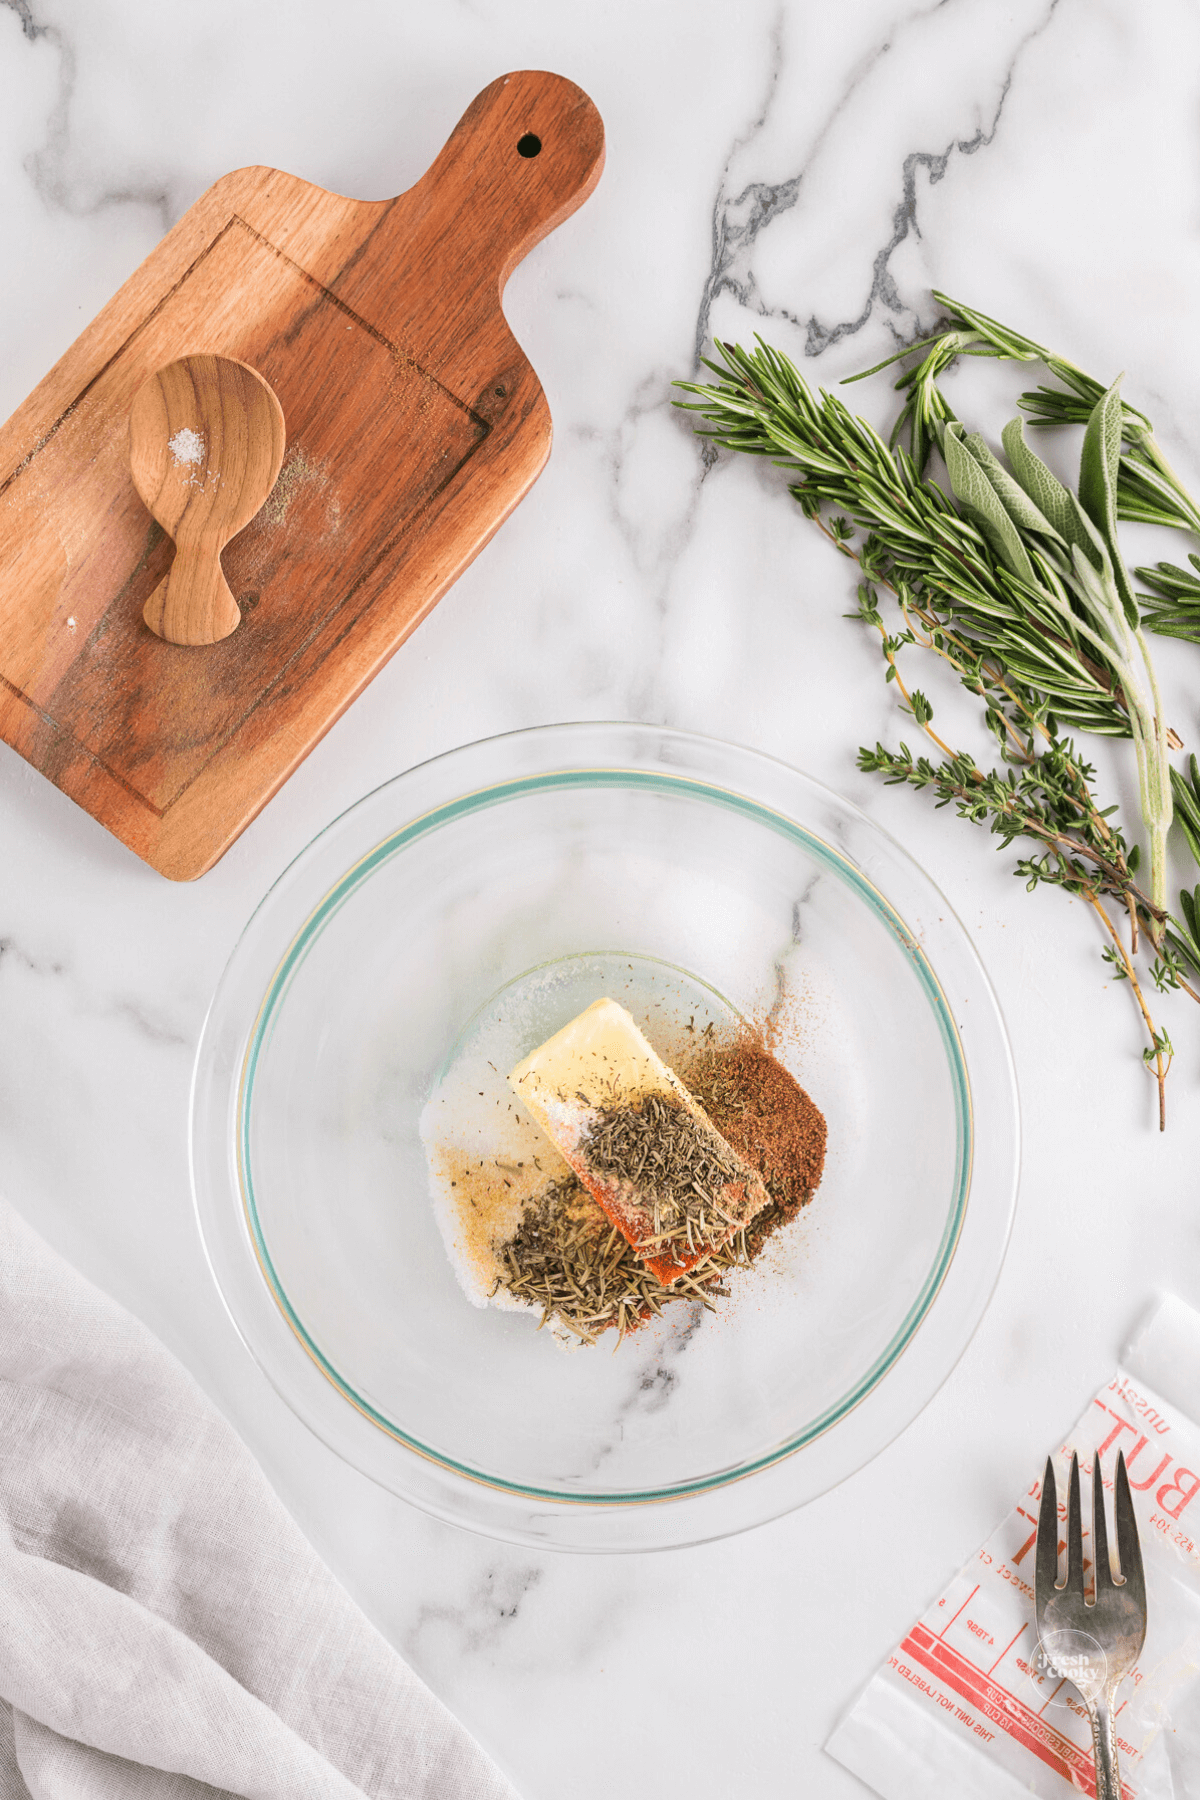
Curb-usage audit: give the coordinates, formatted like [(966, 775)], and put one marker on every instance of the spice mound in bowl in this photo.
[(611, 1185)]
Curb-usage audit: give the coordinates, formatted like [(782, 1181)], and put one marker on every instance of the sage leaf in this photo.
[(1042, 485), (1101, 461), (980, 500), (1016, 502), (1099, 467)]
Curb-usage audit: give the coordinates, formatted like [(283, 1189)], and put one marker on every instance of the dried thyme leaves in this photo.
[(676, 1172), (568, 1259)]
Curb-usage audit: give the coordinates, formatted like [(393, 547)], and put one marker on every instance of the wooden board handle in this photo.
[(526, 153)]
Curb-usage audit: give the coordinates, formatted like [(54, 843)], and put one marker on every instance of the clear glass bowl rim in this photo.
[(684, 759)]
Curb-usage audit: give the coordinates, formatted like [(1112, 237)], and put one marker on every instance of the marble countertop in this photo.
[(810, 172)]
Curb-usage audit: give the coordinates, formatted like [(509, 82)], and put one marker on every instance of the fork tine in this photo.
[(1046, 1567), (1101, 1565), (1074, 1581), (1128, 1548)]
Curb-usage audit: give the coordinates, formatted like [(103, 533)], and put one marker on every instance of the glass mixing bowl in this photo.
[(513, 881)]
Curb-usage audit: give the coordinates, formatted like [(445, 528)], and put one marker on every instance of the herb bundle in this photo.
[(1017, 584)]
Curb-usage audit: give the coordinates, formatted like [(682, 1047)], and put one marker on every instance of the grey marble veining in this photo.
[(810, 172), (493, 1605), (61, 185), (742, 213)]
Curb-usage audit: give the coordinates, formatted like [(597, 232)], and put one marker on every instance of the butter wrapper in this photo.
[(965, 1705)]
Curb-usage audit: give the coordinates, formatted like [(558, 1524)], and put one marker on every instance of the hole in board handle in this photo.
[(529, 145)]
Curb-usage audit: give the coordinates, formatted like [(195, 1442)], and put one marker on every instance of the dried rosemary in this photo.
[(567, 1258)]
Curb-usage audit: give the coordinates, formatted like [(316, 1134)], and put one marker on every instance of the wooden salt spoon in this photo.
[(206, 438)]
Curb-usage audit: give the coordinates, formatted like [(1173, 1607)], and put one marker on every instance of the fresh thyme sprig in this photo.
[(1020, 589)]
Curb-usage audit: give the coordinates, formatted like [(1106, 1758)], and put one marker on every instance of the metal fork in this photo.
[(1094, 1645)]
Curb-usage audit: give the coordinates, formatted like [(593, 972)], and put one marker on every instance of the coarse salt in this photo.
[(187, 446)]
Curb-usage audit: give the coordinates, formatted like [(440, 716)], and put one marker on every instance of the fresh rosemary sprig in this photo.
[(1028, 573), (1019, 588), (1174, 599), (1182, 953), (762, 406), (1187, 804)]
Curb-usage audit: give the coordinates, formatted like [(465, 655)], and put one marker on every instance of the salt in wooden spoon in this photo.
[(206, 439)]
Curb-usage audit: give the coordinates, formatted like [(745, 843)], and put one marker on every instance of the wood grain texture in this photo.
[(206, 442), (414, 423)]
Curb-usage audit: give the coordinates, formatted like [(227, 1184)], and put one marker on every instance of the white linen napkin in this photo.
[(165, 1629)]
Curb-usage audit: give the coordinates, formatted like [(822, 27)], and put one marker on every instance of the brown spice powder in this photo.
[(768, 1118)]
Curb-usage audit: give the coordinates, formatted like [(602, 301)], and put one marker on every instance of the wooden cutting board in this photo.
[(414, 425)]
